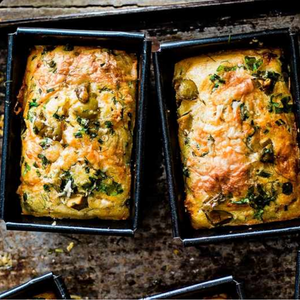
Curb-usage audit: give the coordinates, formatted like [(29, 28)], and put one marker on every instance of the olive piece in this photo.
[(186, 90), (214, 201), (267, 155), (86, 110), (219, 217), (82, 92), (53, 130)]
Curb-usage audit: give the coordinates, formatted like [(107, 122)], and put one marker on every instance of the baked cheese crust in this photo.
[(78, 106), (237, 136)]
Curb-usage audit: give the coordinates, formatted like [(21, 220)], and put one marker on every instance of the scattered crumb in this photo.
[(59, 250), (75, 297), (70, 246), (176, 252), (5, 260), (56, 250)]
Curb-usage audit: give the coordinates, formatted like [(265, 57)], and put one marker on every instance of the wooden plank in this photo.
[(87, 3), (22, 9)]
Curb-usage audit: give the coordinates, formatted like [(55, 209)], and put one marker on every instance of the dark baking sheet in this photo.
[(225, 285), (19, 44), (112, 267), (42, 284)]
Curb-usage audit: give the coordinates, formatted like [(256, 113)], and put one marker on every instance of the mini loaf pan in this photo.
[(164, 61), (45, 283), (208, 289), (19, 44)]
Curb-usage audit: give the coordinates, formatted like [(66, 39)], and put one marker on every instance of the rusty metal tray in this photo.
[(209, 18)]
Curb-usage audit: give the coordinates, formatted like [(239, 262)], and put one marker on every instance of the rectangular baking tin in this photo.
[(210, 288), (42, 284), (18, 47), (164, 61)]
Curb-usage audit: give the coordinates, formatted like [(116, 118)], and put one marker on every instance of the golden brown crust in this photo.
[(237, 136), (78, 105)]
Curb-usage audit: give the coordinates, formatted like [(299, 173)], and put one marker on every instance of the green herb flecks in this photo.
[(109, 125), (78, 135), (111, 189), (45, 144), (27, 168), (223, 68), (243, 201), (252, 63), (260, 197), (46, 188), (217, 80), (50, 90), (284, 107), (266, 80), (44, 160), (33, 103), (31, 115)]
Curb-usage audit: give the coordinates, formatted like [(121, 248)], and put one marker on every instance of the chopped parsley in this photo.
[(285, 107), (217, 80), (33, 103), (30, 115), (223, 68), (50, 90), (112, 189), (242, 201), (58, 117), (109, 125), (258, 214), (27, 168), (252, 63), (45, 144), (44, 159), (46, 187), (78, 134)]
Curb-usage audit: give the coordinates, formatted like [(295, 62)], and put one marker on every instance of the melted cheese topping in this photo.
[(78, 106), (237, 136)]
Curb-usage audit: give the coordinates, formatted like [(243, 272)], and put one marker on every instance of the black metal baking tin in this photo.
[(164, 61), (45, 283), (228, 285), (19, 44)]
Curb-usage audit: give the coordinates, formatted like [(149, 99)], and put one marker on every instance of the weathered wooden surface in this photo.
[(19, 9), (112, 267)]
